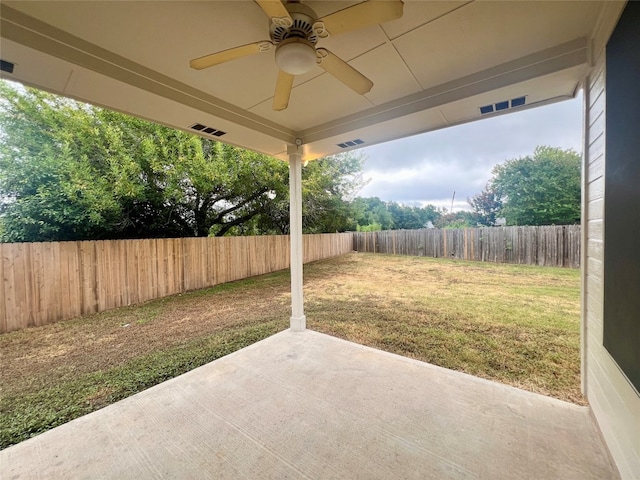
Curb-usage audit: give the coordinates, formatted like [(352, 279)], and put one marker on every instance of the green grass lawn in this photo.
[(514, 324)]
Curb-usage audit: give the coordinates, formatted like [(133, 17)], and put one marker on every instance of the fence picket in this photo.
[(557, 246), (42, 283)]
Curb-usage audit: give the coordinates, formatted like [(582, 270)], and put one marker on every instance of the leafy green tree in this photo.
[(328, 186), (486, 205), (461, 219), (48, 186), (70, 171), (406, 217), (428, 213), (373, 227), (371, 211), (391, 215), (541, 189)]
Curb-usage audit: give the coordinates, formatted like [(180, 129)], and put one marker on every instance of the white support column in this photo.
[(298, 320)]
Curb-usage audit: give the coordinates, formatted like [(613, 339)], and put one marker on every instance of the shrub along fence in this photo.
[(45, 282), (557, 246)]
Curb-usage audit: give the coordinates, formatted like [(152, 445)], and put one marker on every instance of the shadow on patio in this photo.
[(307, 405)]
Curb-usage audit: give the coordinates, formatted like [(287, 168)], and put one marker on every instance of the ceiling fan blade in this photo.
[(283, 91), (275, 9), (230, 54), (362, 15), (344, 72)]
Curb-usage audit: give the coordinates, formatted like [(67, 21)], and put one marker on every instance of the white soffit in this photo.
[(490, 33), (133, 57), (79, 83), (540, 91)]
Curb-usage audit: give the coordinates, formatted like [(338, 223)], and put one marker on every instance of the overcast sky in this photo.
[(428, 168)]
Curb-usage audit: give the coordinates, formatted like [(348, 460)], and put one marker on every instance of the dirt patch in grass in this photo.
[(514, 324)]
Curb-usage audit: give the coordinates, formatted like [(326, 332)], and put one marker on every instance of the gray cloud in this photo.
[(429, 167), (428, 181)]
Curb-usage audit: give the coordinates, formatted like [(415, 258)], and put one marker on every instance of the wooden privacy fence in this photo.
[(46, 282), (557, 246)]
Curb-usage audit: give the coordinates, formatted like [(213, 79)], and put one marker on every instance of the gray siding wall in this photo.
[(614, 402)]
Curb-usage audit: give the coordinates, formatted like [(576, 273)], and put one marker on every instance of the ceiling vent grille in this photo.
[(351, 143), (504, 105), (207, 130), (6, 66)]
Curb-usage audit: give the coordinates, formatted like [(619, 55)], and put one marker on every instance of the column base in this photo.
[(298, 324)]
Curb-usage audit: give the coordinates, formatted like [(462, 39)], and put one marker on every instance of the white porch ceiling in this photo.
[(432, 68)]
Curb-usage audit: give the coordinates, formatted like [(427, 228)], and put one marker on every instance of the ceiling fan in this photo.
[(294, 31)]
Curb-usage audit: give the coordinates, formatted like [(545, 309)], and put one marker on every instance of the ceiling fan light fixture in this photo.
[(295, 56)]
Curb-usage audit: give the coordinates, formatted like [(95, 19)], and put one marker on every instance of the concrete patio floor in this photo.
[(307, 405)]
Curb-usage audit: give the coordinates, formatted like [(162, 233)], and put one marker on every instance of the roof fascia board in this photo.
[(548, 101), (561, 57)]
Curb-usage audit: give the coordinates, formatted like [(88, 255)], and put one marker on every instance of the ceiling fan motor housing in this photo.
[(302, 27)]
